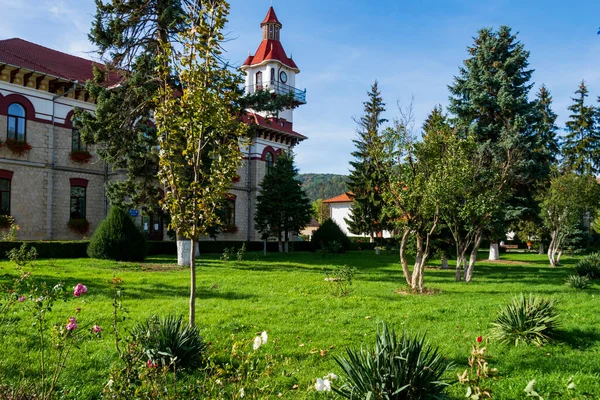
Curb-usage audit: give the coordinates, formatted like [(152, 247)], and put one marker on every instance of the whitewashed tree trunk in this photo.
[(494, 252), (264, 247), (460, 261), (184, 252), (445, 262), (541, 249), (469, 270), (403, 261)]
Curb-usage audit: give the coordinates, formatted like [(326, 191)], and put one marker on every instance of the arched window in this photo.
[(269, 161), (259, 81), (78, 202), (16, 122), (4, 196), (272, 76)]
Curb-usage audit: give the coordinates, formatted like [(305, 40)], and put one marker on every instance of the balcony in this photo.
[(279, 88)]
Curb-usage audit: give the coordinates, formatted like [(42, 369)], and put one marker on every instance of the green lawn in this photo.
[(286, 295)]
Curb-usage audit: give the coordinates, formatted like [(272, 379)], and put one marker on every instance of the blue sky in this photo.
[(413, 48)]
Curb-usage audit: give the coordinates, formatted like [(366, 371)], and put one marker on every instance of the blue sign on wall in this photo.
[(134, 213)]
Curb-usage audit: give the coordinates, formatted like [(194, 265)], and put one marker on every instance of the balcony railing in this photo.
[(280, 88)]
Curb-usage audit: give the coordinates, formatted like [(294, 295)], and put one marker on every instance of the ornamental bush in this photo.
[(118, 238), (330, 236), (589, 266), (526, 320), (398, 368)]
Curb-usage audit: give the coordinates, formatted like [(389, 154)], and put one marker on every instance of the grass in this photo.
[(286, 295)]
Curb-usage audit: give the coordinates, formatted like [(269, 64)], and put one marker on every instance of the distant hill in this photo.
[(323, 186)]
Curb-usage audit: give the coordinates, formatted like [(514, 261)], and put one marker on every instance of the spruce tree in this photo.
[(282, 207), (369, 173), (490, 102), (581, 149), (545, 128)]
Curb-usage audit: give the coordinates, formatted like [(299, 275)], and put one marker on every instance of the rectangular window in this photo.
[(5, 196), (231, 212), (78, 202), (77, 144)]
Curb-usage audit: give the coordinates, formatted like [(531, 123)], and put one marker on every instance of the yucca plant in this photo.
[(589, 266), (526, 320), (398, 368), (170, 340), (577, 282)]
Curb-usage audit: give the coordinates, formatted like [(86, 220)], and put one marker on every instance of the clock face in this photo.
[(283, 77)]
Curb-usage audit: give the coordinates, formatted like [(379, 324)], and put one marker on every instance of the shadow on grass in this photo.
[(581, 339)]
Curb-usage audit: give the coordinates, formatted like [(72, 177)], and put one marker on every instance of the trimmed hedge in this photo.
[(54, 249), (218, 246)]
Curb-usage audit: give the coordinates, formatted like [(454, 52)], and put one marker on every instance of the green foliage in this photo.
[(545, 129), (328, 233), (340, 280), (578, 282), (282, 207), (323, 186), (118, 238), (23, 255), (398, 368), (589, 266), (169, 340), (582, 143), (320, 210), (369, 173), (526, 320)]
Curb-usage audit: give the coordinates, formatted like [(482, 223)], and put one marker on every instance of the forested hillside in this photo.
[(323, 186)]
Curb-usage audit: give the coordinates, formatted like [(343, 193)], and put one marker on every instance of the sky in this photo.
[(412, 48)]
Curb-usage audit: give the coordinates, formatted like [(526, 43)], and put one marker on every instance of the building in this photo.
[(340, 208), (49, 179)]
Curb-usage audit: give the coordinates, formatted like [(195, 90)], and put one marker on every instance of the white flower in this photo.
[(323, 385), (264, 337), (257, 342), (242, 393), (332, 376)]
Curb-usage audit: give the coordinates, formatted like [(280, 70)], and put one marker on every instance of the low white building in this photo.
[(339, 211)]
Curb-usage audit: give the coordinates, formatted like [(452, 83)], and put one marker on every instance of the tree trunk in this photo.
[(552, 250), (403, 261), (469, 270), (541, 249), (445, 262), (280, 244), (420, 259), (193, 283), (287, 242), (264, 247), (494, 252)]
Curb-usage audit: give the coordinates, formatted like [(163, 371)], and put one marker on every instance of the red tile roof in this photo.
[(342, 198), (274, 125), (271, 18), (270, 50), (31, 56)]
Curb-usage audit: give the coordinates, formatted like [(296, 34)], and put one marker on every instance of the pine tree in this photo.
[(282, 207), (545, 129), (369, 172), (581, 149), (489, 101)]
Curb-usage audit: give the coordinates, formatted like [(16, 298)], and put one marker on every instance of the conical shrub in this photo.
[(330, 235), (118, 238)]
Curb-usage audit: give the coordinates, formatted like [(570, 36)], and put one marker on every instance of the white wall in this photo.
[(341, 211)]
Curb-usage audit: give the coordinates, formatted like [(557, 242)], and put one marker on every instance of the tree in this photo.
[(489, 101), (199, 128), (368, 175), (581, 149), (567, 201), (320, 210), (545, 129), (282, 207), (128, 36)]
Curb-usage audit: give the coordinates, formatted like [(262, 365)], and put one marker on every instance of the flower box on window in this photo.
[(18, 147), (6, 221), (230, 229), (81, 156), (237, 178), (79, 225)]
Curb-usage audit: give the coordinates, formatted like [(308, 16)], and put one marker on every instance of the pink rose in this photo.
[(21, 299), (72, 325), (96, 329), (79, 290), (150, 364)]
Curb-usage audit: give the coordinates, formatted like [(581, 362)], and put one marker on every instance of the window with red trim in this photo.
[(230, 207), (269, 160), (16, 122), (5, 196), (78, 202)]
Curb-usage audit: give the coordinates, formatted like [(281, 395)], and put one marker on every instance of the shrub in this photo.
[(23, 255), (526, 320), (589, 266), (169, 338), (117, 238), (577, 282), (328, 233), (340, 280), (405, 368)]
